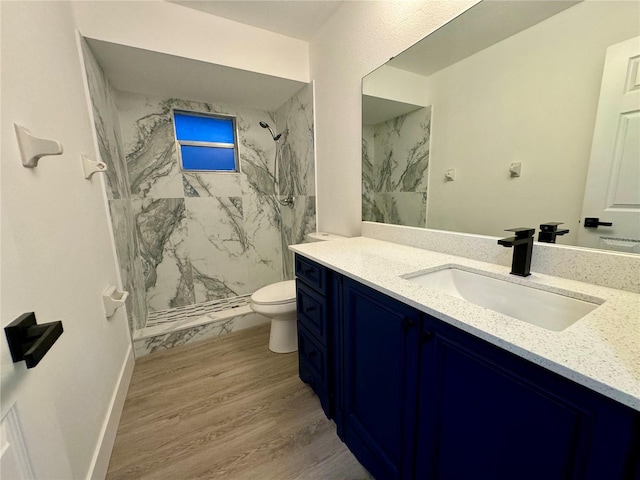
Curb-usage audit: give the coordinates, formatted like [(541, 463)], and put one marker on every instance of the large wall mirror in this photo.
[(513, 114)]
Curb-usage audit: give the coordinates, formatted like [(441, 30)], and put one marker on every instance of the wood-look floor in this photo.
[(226, 408)]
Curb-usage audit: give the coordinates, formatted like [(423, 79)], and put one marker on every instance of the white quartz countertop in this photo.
[(600, 351)]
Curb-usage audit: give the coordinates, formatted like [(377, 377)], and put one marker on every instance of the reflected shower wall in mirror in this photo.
[(395, 158), (507, 82)]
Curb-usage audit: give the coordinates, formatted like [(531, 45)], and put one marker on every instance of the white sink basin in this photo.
[(538, 307)]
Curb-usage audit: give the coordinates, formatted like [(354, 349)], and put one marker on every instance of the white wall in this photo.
[(169, 28), (358, 38), (57, 255), (531, 98)]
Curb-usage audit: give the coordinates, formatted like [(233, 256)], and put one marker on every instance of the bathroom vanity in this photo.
[(428, 386)]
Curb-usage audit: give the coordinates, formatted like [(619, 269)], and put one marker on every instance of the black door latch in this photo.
[(594, 222), (29, 341)]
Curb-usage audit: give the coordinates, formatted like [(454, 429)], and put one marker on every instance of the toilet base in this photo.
[(283, 337)]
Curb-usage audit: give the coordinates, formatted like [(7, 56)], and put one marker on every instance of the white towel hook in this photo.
[(33, 148)]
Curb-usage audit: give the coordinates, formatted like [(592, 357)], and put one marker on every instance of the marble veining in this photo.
[(216, 185), (600, 351), (184, 238), (401, 152), (106, 126), (153, 164), (367, 173), (218, 247), (402, 208), (297, 222), (216, 235), (264, 254), (294, 119), (149, 140), (162, 230), (182, 337), (128, 254), (395, 158)]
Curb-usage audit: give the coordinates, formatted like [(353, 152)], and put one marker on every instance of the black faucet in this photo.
[(522, 245), (549, 231)]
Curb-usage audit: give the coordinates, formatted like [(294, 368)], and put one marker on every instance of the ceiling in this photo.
[(299, 19), (143, 71)]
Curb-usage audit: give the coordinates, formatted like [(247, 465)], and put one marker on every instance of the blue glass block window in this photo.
[(206, 142)]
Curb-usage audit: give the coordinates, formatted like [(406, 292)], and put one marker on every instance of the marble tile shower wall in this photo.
[(107, 129), (395, 159), (296, 173), (186, 238), (203, 235), (368, 132)]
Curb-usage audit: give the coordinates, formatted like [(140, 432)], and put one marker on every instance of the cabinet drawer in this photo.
[(313, 361), (312, 311), (312, 274)]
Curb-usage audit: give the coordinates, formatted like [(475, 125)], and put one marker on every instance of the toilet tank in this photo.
[(322, 237)]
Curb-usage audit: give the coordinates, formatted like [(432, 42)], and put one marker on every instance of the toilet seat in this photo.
[(276, 294)]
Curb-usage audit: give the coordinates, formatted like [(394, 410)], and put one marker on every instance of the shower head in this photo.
[(273, 135)]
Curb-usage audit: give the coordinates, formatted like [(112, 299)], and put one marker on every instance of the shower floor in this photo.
[(182, 325), (192, 312)]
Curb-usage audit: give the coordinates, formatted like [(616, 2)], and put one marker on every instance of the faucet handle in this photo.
[(549, 231), (522, 232), (550, 226)]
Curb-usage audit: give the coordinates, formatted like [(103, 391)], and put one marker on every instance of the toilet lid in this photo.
[(276, 293)]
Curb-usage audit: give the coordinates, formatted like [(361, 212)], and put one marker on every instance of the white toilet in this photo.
[(278, 302)]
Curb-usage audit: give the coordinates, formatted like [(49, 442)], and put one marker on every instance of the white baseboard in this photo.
[(102, 455)]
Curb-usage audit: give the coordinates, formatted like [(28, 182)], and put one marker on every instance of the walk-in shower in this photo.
[(192, 247)]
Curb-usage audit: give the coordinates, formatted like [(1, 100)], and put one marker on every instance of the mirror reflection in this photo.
[(513, 114)]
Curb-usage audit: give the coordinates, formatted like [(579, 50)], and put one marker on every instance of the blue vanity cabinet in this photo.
[(414, 397), (315, 318), (380, 371), (487, 413)]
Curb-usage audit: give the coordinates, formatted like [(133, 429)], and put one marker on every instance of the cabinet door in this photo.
[(486, 413), (380, 372)]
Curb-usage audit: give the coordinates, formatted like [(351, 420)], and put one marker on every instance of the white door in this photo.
[(612, 192), (51, 224), (31, 440), (31, 445)]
